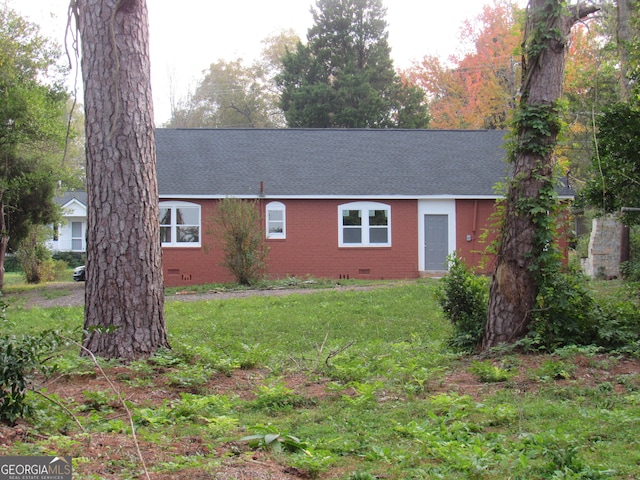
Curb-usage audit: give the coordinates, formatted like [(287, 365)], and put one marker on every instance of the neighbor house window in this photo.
[(364, 224), (179, 224), (276, 220)]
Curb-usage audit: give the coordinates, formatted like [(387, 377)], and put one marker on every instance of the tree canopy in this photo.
[(615, 173), (234, 95), (477, 89), (344, 76), (32, 129)]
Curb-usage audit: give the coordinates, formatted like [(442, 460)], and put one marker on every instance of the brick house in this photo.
[(335, 203)]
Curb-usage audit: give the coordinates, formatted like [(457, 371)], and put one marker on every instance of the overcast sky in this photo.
[(188, 35)]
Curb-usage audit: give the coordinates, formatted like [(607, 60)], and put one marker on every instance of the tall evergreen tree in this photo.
[(344, 76)]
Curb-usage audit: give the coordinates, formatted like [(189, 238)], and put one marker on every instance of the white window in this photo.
[(179, 224), (364, 224), (276, 220)]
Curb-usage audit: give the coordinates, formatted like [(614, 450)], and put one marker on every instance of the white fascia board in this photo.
[(74, 208), (334, 197)]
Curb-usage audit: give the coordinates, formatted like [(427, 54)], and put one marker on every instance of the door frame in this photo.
[(435, 207)]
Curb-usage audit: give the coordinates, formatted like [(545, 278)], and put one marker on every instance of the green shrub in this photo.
[(464, 297), (618, 326), (568, 314), (72, 259), (631, 269), (240, 234), (564, 314), (11, 263), (34, 257), (20, 358)]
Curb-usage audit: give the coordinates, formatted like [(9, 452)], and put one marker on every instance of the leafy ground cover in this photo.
[(332, 385)]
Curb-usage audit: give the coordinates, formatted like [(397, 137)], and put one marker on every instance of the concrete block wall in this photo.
[(604, 249)]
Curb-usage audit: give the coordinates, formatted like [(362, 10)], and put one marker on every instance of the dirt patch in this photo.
[(102, 452)]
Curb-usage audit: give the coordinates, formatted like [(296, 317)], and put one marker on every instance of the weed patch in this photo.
[(331, 385)]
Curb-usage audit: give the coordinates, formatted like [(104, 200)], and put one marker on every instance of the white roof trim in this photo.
[(76, 201), (335, 197)]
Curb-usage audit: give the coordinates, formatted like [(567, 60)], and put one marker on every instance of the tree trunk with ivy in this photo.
[(525, 252), (124, 300)]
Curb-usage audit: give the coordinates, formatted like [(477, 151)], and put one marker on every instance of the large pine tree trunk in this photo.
[(624, 35), (514, 285), (124, 300)]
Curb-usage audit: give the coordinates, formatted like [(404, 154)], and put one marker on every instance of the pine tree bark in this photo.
[(624, 35), (124, 299), (514, 285)]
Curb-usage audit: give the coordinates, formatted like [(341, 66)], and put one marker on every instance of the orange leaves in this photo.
[(477, 89)]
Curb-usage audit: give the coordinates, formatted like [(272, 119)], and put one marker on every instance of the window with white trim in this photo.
[(179, 224), (364, 224), (276, 214)]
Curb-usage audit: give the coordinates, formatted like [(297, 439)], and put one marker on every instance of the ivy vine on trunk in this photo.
[(526, 252)]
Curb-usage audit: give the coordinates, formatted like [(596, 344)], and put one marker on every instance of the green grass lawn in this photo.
[(334, 385)]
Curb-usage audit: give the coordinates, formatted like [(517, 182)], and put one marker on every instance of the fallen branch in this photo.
[(67, 411), (324, 342), (338, 351)]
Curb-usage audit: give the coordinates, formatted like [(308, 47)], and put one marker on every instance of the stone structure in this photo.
[(604, 249)]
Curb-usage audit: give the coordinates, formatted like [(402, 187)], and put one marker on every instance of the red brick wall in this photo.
[(473, 218), (311, 247), (194, 266)]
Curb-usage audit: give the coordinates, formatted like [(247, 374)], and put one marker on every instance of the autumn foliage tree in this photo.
[(477, 89)]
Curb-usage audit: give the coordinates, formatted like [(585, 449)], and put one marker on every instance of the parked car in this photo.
[(79, 274)]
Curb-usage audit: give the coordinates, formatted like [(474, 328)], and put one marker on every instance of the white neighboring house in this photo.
[(70, 235)]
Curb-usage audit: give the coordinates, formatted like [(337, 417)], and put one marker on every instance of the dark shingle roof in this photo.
[(329, 162), (67, 196)]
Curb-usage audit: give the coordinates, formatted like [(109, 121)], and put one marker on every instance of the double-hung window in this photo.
[(276, 220), (180, 224), (364, 224)]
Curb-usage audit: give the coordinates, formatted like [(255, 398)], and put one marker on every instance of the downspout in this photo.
[(475, 217)]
